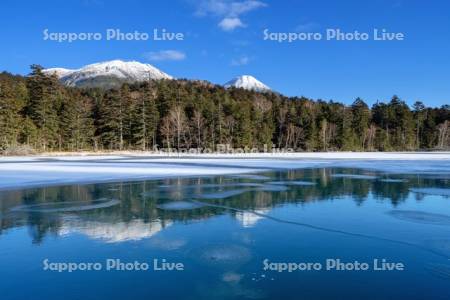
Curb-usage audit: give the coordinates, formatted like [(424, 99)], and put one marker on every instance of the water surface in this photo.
[(222, 229)]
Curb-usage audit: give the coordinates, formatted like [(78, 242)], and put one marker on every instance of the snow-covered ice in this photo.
[(18, 172)]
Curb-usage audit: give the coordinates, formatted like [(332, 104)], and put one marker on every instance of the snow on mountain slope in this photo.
[(108, 74), (114, 73), (59, 72), (247, 82)]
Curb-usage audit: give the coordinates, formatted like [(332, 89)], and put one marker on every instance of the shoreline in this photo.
[(327, 155), (19, 172)]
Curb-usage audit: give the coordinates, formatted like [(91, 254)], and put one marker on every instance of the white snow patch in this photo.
[(59, 72), (18, 172)]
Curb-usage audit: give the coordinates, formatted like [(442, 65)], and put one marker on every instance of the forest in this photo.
[(40, 114)]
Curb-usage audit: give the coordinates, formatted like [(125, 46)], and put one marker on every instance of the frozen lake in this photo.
[(17, 172), (231, 224)]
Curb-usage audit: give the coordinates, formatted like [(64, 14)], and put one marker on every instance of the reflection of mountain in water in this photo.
[(249, 219), (114, 232), (141, 212)]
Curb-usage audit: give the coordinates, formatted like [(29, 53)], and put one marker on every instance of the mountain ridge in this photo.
[(110, 74)]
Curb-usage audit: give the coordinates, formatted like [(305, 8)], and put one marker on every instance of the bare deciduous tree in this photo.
[(443, 137)]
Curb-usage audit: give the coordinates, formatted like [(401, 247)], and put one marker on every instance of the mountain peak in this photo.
[(247, 82), (108, 74)]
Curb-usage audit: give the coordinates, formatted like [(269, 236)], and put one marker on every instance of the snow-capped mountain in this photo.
[(114, 73), (247, 82), (59, 72), (108, 74)]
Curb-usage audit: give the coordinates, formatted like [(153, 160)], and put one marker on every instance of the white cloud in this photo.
[(241, 61), (226, 7), (230, 24), (238, 8), (208, 7), (165, 55), (229, 11)]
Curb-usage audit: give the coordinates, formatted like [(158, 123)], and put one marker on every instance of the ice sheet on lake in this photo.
[(209, 186), (354, 176), (273, 188), (432, 191), (291, 182), (179, 205), (18, 172), (392, 180), (69, 206), (251, 176), (222, 194), (421, 217)]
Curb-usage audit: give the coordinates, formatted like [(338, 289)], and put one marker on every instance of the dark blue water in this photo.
[(222, 229)]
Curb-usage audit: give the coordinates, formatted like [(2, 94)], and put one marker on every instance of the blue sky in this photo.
[(223, 39)]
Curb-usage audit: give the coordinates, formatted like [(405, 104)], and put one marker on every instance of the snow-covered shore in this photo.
[(19, 172)]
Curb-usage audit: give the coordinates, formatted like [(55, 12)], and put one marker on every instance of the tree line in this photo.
[(39, 112)]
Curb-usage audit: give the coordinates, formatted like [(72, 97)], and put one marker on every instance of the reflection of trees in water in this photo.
[(40, 223), (396, 192), (40, 226), (139, 200)]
